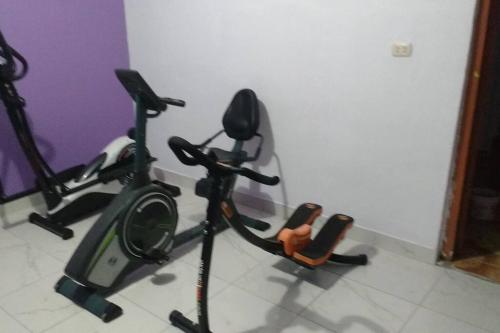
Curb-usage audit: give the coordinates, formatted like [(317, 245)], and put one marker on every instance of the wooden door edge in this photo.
[(462, 153)]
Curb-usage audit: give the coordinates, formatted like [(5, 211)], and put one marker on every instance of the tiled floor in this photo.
[(250, 290)]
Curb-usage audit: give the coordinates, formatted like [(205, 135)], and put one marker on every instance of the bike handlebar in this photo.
[(258, 177), (188, 154)]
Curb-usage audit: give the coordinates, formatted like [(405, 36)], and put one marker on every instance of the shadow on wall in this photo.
[(15, 172), (266, 156)]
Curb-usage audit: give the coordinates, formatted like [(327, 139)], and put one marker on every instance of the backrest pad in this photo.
[(241, 120)]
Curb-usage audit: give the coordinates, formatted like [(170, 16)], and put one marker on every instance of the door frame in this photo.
[(463, 151)]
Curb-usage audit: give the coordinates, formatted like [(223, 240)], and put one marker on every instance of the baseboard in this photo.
[(357, 233), (18, 211)]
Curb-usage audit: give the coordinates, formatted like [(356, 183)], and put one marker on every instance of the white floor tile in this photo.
[(24, 264), (351, 307), (426, 321), (172, 287), (133, 320), (38, 306), (232, 256), (466, 298), (235, 310), (171, 329), (9, 324), (52, 244), (301, 325), (7, 239), (399, 276), (284, 283)]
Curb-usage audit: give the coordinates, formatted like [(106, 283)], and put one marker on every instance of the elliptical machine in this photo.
[(292, 242), (73, 194)]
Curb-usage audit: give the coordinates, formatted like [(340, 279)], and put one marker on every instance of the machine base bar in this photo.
[(55, 228), (88, 299), (180, 321), (359, 260)]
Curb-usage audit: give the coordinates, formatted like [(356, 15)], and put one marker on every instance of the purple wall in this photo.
[(75, 103)]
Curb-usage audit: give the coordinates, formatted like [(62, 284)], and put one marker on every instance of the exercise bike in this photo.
[(75, 193), (137, 228), (110, 251), (293, 241)]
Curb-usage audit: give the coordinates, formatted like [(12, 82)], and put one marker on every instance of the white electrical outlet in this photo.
[(400, 49)]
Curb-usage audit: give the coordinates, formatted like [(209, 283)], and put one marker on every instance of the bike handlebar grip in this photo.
[(172, 101), (177, 145), (260, 178), (181, 146)]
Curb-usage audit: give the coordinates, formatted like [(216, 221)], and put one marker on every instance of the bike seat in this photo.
[(229, 157)]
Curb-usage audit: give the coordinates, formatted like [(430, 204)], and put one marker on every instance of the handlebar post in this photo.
[(140, 137)]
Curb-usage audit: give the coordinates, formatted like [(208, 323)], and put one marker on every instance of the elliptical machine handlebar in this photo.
[(172, 101), (188, 154), (8, 69)]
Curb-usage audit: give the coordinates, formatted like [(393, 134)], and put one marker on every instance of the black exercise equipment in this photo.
[(137, 228), (241, 123), (70, 195), (117, 246), (292, 242)]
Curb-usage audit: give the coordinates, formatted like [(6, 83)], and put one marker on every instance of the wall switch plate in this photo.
[(400, 49)]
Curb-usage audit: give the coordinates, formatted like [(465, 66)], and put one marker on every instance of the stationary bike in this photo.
[(72, 194), (105, 257), (137, 228), (293, 241)]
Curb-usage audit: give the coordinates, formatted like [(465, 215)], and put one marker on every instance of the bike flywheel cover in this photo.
[(149, 224)]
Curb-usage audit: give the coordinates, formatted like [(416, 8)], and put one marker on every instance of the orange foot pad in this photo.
[(319, 250)]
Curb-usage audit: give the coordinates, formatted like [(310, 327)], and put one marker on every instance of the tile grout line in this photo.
[(167, 321), (410, 317), (340, 277), (456, 319), (163, 319), (421, 305), (379, 290), (24, 286), (63, 320), (414, 312), (443, 273), (311, 320), (14, 318), (296, 314), (41, 277)]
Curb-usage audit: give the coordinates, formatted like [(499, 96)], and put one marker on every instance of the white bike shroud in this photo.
[(110, 155)]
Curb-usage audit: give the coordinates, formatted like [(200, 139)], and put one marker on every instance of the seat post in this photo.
[(238, 146)]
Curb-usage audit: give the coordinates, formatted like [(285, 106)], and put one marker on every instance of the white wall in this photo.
[(355, 129)]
